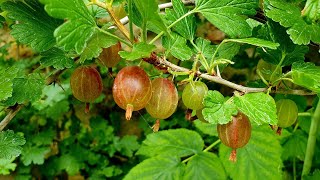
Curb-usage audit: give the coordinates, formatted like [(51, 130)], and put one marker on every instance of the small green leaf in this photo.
[(95, 44), (57, 110), (127, 145), (10, 144), (44, 137), (206, 128), (204, 165), (35, 27), (180, 142), (57, 58), (26, 89), (306, 75), (228, 15), (187, 26), (160, 168), (69, 163), (177, 46), (33, 154), (295, 145), (259, 107), (205, 47), (259, 159), (6, 82), (140, 50), (217, 110), (79, 27), (256, 42), (6, 166)]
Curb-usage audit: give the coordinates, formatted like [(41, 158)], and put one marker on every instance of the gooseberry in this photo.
[(193, 94), (287, 112), (109, 57), (164, 99), (235, 134), (131, 89)]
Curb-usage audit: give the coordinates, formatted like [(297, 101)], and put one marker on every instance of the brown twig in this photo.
[(14, 110)]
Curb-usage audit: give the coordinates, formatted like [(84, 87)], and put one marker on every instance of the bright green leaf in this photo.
[(256, 42), (33, 154), (95, 44), (160, 168), (79, 27), (306, 75), (6, 82), (69, 163), (177, 46), (140, 50), (6, 166), (10, 144), (227, 15), (315, 175), (204, 165), (206, 128), (35, 27), (205, 47), (259, 107), (180, 142), (217, 110), (295, 145), (57, 58), (259, 159), (26, 89)]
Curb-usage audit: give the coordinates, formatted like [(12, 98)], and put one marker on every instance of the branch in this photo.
[(15, 109)]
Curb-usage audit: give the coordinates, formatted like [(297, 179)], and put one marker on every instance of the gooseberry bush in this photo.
[(147, 89)]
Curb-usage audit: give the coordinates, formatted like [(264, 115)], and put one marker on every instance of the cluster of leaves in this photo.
[(54, 137)]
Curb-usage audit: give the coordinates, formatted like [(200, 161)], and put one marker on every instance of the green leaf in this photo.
[(228, 15), (216, 109), (205, 47), (44, 137), (289, 16), (306, 75), (26, 89), (79, 27), (177, 46), (168, 167), (315, 175), (33, 154), (6, 166), (95, 44), (69, 163), (256, 42), (6, 82), (259, 107), (140, 50), (10, 144), (180, 142), (57, 58), (2, 21), (35, 27), (127, 145), (58, 109), (149, 12), (187, 26), (295, 145), (206, 128), (204, 165), (259, 159)]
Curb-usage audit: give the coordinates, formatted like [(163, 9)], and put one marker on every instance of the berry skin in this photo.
[(131, 89), (109, 57), (86, 84), (164, 99), (193, 94), (235, 134), (287, 112)]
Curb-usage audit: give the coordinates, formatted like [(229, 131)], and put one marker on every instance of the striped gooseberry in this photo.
[(287, 112), (193, 94), (109, 57)]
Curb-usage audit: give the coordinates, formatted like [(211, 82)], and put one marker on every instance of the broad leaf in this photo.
[(140, 50), (44, 137), (295, 145), (33, 154), (315, 175), (7, 165), (205, 47), (57, 58), (177, 46), (259, 159), (206, 128), (306, 75), (6, 82), (10, 144), (127, 145), (180, 142), (289, 16), (95, 44), (187, 26), (216, 109), (228, 15), (79, 27), (259, 107), (256, 42), (160, 168), (57, 110), (204, 165), (35, 27), (26, 89), (69, 163)]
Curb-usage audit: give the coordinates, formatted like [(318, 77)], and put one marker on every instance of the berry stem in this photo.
[(87, 108), (233, 155), (129, 111)]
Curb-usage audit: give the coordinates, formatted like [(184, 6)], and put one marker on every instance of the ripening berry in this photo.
[(109, 57), (193, 94)]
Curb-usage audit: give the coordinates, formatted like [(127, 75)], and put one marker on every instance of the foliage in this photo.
[(45, 133)]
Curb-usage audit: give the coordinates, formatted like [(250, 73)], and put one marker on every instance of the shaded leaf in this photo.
[(295, 145), (10, 144), (177, 46), (140, 50), (256, 42), (33, 154), (206, 128), (306, 75)]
